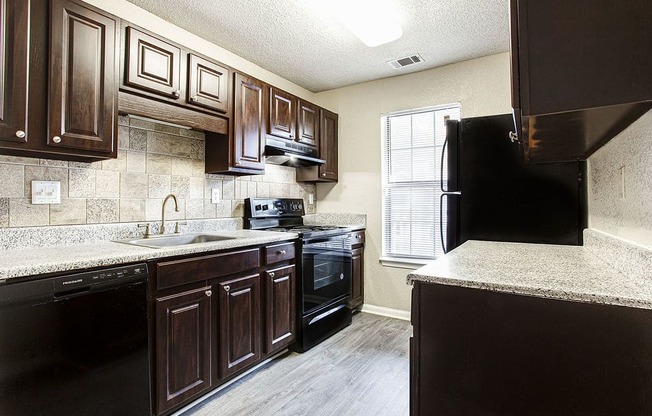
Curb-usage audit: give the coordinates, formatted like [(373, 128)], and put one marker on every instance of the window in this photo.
[(413, 143)]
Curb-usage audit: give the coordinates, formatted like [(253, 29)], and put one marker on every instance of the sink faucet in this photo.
[(176, 209)]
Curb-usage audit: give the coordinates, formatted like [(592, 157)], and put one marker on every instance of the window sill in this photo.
[(403, 263)]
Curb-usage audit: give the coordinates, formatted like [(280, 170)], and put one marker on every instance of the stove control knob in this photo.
[(299, 206)]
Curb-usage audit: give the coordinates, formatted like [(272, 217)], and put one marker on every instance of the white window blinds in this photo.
[(412, 154)]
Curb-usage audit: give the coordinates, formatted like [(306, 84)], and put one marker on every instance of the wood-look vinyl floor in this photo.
[(362, 370)]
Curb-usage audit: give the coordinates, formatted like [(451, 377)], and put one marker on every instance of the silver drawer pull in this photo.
[(271, 274), (209, 292), (194, 98), (176, 93), (227, 288), (281, 252), (20, 134), (358, 236)]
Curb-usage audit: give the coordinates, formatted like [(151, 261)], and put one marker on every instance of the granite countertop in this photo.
[(560, 272), (40, 260)]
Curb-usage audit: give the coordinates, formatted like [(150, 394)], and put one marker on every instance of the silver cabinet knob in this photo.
[(56, 139), (209, 292), (20, 134), (323, 174), (513, 136), (341, 276), (194, 98), (176, 93), (282, 252), (291, 136), (227, 288), (271, 274), (358, 236)]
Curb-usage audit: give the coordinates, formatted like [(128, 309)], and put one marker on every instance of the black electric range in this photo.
[(324, 266)]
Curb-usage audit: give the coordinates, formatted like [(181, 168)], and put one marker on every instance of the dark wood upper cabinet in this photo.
[(208, 84), (282, 114), (249, 123), (328, 150), (308, 123), (239, 323), (280, 289), (242, 151), (580, 73), (183, 347), (152, 64), (14, 46), (84, 44)]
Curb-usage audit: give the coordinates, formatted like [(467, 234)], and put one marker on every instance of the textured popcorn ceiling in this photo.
[(288, 38)]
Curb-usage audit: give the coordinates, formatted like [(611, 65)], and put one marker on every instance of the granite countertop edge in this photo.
[(570, 273), (47, 260)]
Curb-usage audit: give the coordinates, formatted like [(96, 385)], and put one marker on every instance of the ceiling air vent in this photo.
[(410, 60)]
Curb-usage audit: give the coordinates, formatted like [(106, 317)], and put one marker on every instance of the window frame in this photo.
[(387, 258)]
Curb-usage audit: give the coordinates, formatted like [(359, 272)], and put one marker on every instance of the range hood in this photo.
[(280, 152)]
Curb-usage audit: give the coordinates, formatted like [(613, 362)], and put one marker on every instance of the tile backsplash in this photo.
[(620, 184), (153, 161)]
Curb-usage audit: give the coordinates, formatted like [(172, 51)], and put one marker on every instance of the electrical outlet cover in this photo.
[(46, 192), (215, 195)]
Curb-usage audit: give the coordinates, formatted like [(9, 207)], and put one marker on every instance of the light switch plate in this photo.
[(215, 195), (46, 192)]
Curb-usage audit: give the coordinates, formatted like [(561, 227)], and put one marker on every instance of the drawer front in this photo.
[(179, 272), (279, 252), (358, 238)]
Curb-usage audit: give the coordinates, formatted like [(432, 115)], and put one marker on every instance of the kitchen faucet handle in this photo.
[(178, 223), (148, 230)]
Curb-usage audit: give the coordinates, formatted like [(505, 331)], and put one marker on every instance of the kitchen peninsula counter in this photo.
[(581, 274)]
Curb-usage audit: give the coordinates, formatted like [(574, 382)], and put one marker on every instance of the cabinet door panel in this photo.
[(83, 78), (282, 114), (239, 331), (14, 27), (308, 124), (249, 123), (280, 318), (328, 145), (153, 64), (183, 346), (207, 84), (357, 284)]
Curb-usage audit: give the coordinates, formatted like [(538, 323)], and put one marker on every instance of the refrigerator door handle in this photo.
[(441, 217), (441, 165)]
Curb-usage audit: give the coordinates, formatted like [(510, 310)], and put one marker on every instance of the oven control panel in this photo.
[(273, 207)]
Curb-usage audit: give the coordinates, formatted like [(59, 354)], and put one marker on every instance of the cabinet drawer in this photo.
[(279, 252), (358, 238), (178, 272)]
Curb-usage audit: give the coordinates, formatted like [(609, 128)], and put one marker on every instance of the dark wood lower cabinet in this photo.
[(477, 353), (357, 283), (183, 345), (357, 278), (216, 316), (280, 289), (239, 323)]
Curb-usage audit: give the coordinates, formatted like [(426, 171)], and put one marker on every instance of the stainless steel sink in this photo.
[(172, 240)]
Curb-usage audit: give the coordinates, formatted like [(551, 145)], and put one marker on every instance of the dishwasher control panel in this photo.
[(84, 279)]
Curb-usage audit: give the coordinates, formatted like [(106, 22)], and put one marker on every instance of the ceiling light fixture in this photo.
[(372, 21)]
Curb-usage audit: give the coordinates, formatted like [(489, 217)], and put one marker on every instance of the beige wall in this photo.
[(482, 86), (627, 216)]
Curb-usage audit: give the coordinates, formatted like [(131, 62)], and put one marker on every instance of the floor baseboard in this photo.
[(389, 312)]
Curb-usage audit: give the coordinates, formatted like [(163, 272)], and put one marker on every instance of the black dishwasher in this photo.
[(75, 344)]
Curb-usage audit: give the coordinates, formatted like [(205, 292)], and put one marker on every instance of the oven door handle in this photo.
[(325, 314)]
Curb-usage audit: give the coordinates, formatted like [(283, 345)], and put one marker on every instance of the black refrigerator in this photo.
[(490, 193)]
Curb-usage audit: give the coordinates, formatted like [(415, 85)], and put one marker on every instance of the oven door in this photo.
[(326, 271)]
